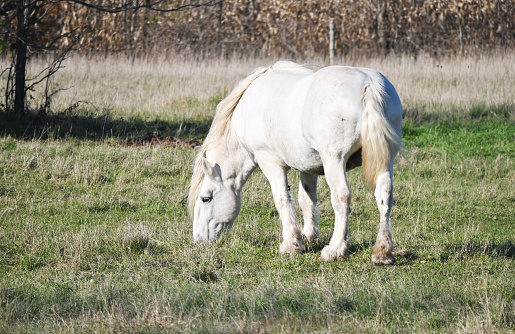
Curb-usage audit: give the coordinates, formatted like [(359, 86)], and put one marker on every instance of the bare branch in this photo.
[(56, 39), (7, 7), (149, 5), (47, 5), (50, 70)]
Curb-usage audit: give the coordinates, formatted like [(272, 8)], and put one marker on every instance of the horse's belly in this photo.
[(307, 160), (318, 170)]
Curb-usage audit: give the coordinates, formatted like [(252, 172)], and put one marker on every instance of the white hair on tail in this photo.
[(380, 143)]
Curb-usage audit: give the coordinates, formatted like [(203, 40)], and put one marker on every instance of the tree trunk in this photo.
[(21, 58)]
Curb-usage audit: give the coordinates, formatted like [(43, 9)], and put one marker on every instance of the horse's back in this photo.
[(298, 113)]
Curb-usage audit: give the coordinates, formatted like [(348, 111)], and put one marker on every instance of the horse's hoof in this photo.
[(383, 260), (311, 234), (330, 253), (291, 248)]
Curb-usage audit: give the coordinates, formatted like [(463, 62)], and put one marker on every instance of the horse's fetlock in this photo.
[(382, 254)]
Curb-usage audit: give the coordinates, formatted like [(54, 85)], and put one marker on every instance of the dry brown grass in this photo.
[(161, 88), (451, 86), (176, 89)]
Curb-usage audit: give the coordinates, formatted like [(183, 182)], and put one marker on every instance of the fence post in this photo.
[(331, 40)]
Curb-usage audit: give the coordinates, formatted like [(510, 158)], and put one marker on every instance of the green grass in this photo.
[(96, 238), (490, 140)]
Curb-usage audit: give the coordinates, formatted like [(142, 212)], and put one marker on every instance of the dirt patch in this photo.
[(156, 138)]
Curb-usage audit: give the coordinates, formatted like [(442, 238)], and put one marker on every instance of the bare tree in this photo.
[(25, 44)]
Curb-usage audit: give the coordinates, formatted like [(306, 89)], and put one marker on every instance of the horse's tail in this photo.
[(379, 141)]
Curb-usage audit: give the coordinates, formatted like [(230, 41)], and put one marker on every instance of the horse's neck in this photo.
[(235, 163)]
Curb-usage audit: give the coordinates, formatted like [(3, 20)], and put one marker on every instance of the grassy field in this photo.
[(94, 234)]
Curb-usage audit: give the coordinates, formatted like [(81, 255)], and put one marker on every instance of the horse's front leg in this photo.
[(275, 172), (384, 244), (308, 204), (336, 178)]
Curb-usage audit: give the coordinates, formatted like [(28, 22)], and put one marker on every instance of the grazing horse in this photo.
[(322, 122)]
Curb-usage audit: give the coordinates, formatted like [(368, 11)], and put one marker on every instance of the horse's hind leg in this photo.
[(336, 178), (275, 172), (308, 204), (384, 245)]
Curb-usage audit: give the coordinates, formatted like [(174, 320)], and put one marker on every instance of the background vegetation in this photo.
[(94, 233), (289, 28)]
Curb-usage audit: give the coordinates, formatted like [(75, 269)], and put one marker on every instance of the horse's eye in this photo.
[(206, 199)]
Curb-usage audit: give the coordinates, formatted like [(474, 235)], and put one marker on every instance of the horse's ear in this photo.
[(213, 172)]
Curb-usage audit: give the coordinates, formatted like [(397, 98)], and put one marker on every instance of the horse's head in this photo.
[(216, 206)]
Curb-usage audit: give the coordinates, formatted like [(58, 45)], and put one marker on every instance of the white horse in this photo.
[(318, 122)]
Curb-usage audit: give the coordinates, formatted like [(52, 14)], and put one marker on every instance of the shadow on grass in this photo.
[(473, 249), (457, 252), (318, 244), (451, 252), (83, 125)]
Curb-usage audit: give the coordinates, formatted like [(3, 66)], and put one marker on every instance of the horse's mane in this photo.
[(285, 65), (220, 128)]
